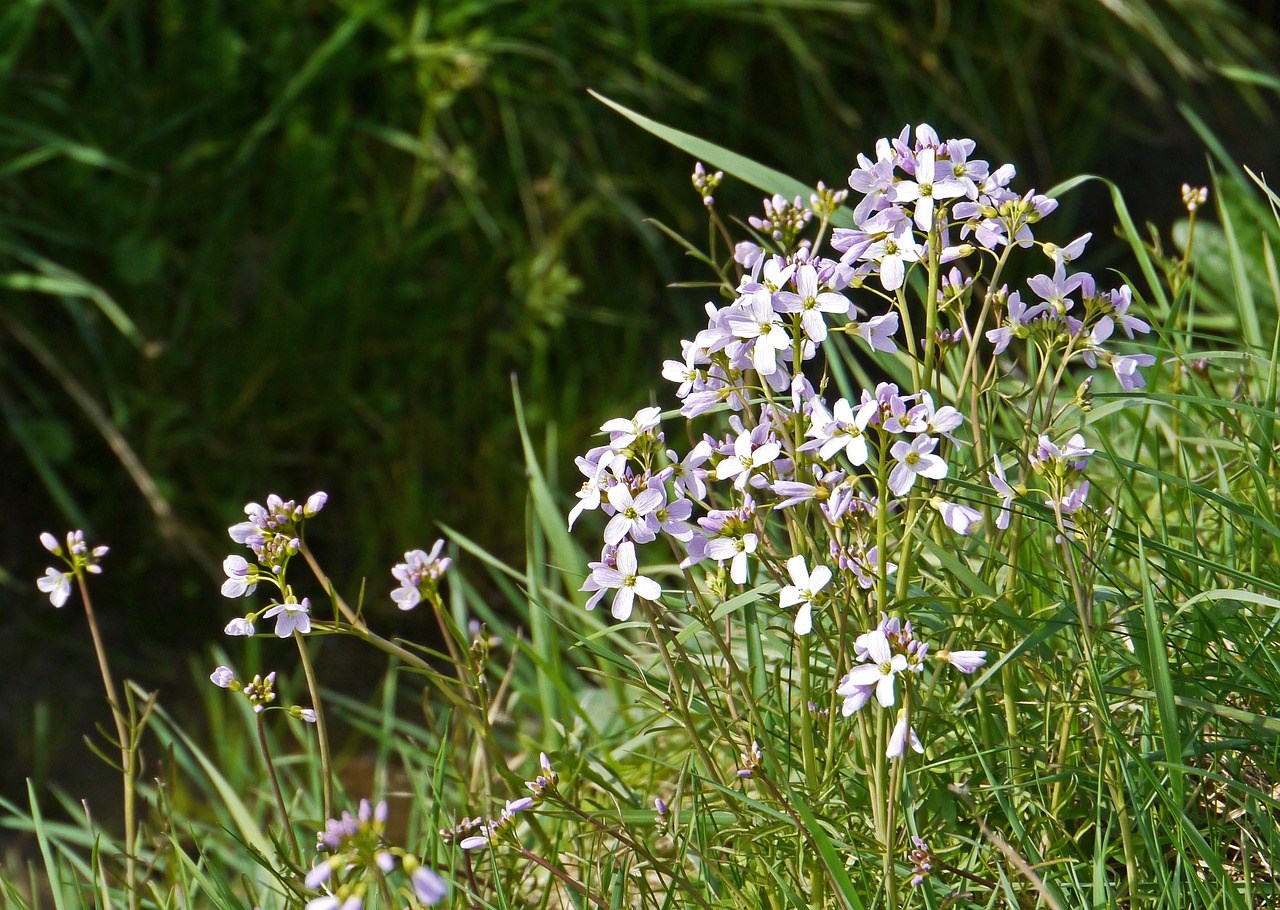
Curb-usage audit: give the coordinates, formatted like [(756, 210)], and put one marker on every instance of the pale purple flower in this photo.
[(315, 502), (1056, 291), (291, 616), (430, 888), (1016, 318), (811, 302), (964, 661), (239, 573), (878, 332), (925, 418), (318, 876), (1122, 299), (419, 575), (903, 733), (875, 180), (915, 459), (748, 255), (222, 677), (672, 519), (855, 697), (804, 587), (241, 625), (958, 517), (1126, 369), (1003, 490), (631, 514)]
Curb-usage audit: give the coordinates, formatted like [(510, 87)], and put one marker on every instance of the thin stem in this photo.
[(275, 785), (325, 583), (124, 734), (322, 733), (573, 883)]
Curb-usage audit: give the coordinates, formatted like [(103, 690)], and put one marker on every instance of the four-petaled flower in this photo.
[(627, 581), (746, 459), (804, 587), (914, 459), (878, 673), (291, 616)]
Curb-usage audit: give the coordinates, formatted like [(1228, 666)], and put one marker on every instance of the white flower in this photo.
[(902, 734), (56, 584), (811, 303), (845, 430), (758, 320), (913, 459), (630, 516), (894, 253), (222, 677), (746, 459), (925, 189), (804, 587), (622, 432), (736, 549), (239, 626), (293, 616), (883, 665), (627, 581)]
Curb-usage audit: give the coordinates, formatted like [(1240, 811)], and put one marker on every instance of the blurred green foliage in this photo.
[(295, 244)]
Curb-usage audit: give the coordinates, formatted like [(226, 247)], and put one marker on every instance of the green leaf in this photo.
[(748, 171)]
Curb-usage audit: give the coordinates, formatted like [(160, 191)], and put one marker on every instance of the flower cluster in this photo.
[(419, 576), (78, 558), (887, 653), (259, 691), (358, 856), (838, 497), (273, 533), (476, 833)]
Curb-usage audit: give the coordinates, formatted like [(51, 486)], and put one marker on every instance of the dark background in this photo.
[(341, 228)]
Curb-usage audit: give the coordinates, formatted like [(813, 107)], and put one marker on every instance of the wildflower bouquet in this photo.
[(824, 605)]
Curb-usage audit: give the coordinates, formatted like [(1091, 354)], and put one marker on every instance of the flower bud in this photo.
[(315, 502)]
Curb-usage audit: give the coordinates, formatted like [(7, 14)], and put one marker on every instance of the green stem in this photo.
[(322, 733), (275, 786)]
